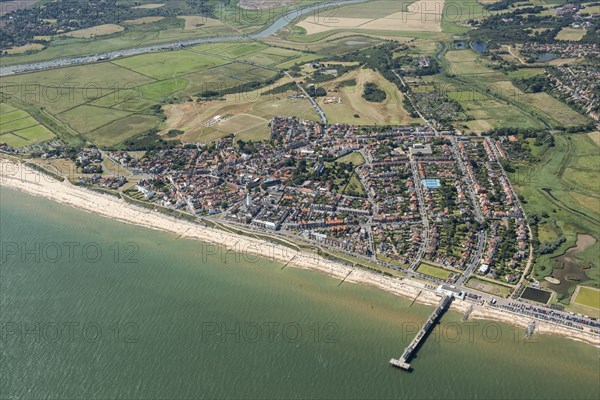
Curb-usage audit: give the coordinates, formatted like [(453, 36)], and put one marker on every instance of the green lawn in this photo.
[(355, 158), (588, 297), (355, 187), (431, 270), (86, 118), (163, 88), (10, 116), (112, 134), (34, 134)]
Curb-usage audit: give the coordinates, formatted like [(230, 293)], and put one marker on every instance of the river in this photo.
[(271, 29)]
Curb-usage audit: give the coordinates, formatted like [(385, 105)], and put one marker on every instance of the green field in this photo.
[(355, 187), (109, 102), (355, 158), (167, 30), (491, 100), (166, 65), (19, 129), (588, 297), (17, 125), (118, 131), (563, 183), (488, 287), (432, 270)]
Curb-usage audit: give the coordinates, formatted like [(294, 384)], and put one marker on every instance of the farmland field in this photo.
[(120, 130), (94, 31), (569, 34), (380, 16), (19, 129), (494, 101), (110, 102), (169, 64), (25, 48)]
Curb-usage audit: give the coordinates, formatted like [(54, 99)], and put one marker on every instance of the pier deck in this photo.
[(402, 362)]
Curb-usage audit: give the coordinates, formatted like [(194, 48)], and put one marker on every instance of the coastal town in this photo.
[(336, 198), (398, 197), (402, 199)]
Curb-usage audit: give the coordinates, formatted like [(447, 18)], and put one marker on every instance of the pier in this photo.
[(402, 362)]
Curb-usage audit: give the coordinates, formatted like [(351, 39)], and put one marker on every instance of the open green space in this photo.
[(588, 297), (109, 102), (17, 125), (13, 115), (20, 129), (169, 64), (113, 133), (489, 287), (490, 100), (432, 270), (355, 158), (561, 188)]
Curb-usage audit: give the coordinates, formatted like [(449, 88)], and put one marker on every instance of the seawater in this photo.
[(94, 308)]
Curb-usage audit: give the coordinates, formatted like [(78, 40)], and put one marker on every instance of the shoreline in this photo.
[(27, 180)]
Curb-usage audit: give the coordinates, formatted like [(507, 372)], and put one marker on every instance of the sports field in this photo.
[(587, 296)]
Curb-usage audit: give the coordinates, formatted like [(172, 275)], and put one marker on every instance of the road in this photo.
[(467, 180), (529, 264), (484, 301), (413, 103), (423, 211), (314, 103), (516, 56), (475, 258)]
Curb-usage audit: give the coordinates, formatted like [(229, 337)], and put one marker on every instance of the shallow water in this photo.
[(136, 313)]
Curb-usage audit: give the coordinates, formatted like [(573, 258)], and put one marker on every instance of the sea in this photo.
[(98, 309)]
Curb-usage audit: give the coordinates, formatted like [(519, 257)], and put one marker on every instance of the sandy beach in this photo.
[(17, 176)]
